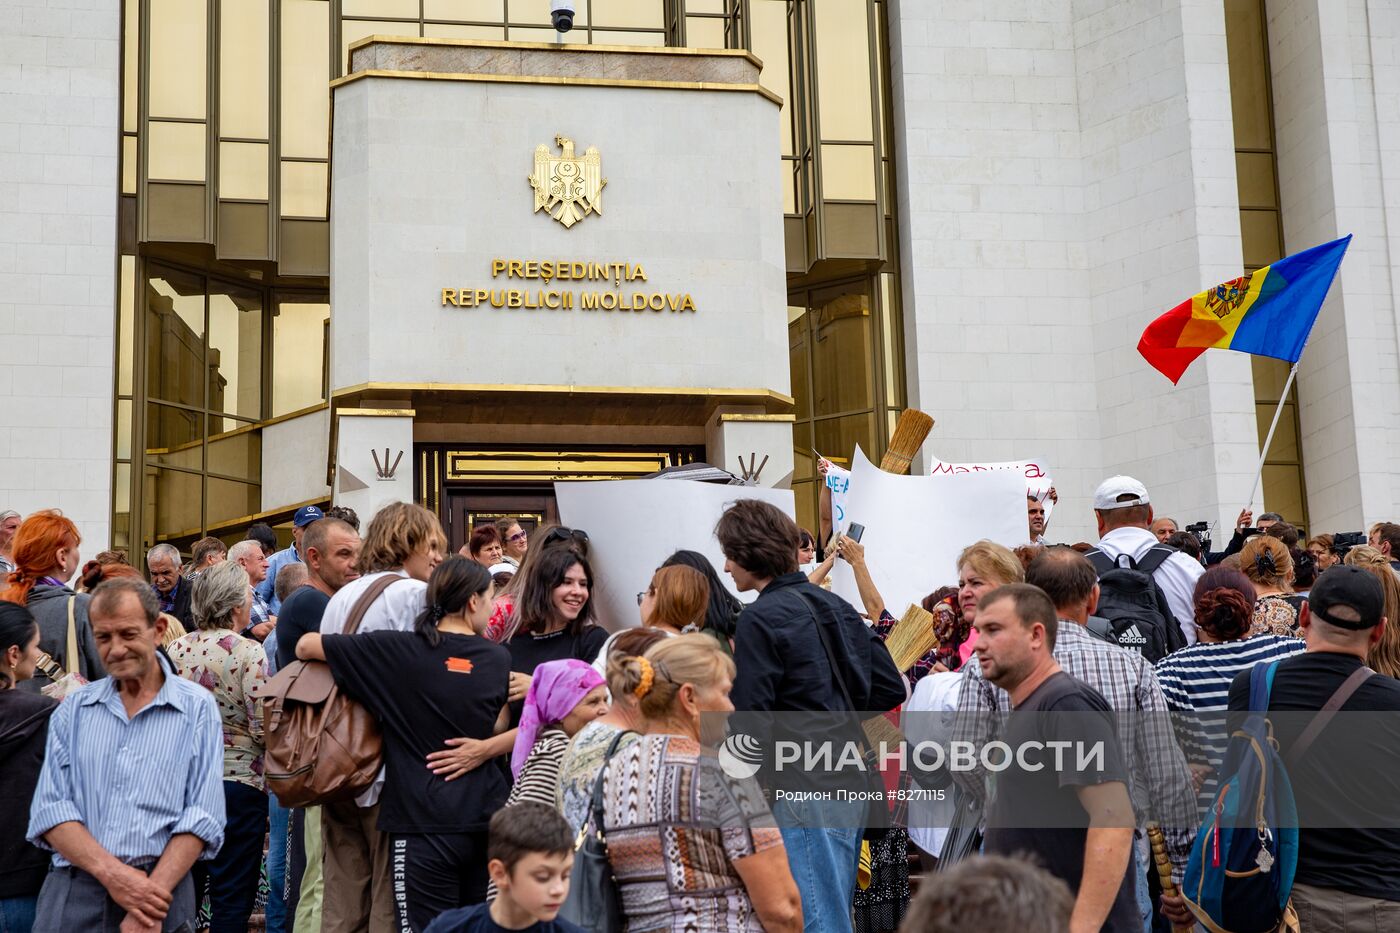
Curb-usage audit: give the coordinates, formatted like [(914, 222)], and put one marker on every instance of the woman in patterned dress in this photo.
[(231, 667), (692, 849), (1268, 565)]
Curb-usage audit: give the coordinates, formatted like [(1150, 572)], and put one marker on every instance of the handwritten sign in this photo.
[(838, 483), (1036, 472)]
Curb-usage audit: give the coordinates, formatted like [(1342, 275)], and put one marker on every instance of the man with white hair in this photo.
[(9, 524), (171, 589), (248, 554)]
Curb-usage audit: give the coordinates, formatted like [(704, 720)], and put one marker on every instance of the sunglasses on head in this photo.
[(560, 533)]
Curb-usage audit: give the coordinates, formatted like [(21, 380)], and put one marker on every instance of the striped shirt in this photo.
[(1159, 783), (1196, 680), (133, 782)]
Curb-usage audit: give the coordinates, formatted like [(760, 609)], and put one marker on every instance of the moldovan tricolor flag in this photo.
[(1268, 313)]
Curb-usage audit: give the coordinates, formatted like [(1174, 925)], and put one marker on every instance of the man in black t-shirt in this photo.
[(1062, 797), (1347, 783), (331, 548)]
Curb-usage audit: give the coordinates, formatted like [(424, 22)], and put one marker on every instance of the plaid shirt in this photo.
[(1158, 779), (257, 612)]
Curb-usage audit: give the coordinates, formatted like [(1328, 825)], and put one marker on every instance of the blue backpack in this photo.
[(1240, 873)]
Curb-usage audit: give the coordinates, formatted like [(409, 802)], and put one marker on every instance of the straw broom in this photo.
[(1164, 868), (909, 435), (912, 637)]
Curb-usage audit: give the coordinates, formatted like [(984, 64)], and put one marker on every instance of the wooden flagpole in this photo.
[(1268, 441)]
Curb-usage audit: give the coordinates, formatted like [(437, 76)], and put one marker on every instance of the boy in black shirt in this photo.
[(1089, 845), (531, 852)]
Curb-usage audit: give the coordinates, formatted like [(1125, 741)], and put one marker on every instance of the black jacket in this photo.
[(182, 609), (24, 727), (783, 667)]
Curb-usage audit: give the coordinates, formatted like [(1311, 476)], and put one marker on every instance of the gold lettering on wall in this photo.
[(611, 296)]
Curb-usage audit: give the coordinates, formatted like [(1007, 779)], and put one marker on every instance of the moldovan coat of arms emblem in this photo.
[(568, 187)]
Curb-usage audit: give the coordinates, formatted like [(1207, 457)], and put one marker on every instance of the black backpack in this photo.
[(1133, 611)]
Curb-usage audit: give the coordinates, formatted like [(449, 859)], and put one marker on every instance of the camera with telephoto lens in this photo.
[(1202, 532), (1344, 541), (561, 12)]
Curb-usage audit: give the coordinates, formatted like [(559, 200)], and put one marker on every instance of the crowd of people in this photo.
[(133, 734)]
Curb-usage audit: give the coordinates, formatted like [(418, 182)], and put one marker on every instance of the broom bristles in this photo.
[(909, 434), (911, 638)]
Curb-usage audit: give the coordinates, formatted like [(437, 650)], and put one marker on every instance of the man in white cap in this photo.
[(1123, 510)]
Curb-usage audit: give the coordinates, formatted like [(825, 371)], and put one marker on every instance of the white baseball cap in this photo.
[(502, 567), (1106, 496)]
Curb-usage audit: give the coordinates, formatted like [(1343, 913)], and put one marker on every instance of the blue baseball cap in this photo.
[(306, 515)]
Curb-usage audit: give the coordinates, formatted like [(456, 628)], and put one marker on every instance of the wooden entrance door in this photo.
[(471, 506)]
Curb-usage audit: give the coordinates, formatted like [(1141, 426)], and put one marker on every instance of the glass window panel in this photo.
[(126, 324), (305, 102), (843, 69), (702, 32), (243, 71), (298, 354), (838, 437), (789, 192), (448, 31), (352, 31), (176, 59), (1285, 445), (129, 166), (243, 171), (799, 355), (1259, 235), (891, 314), (175, 337), (538, 34), (842, 349), (121, 506), (392, 9), (123, 438), (131, 64), (304, 189), (609, 37), (177, 497), (1249, 73), (176, 151), (804, 494), (235, 350), (537, 11), (770, 43), (705, 6), (643, 13), (1283, 493), (229, 500), (1270, 376), (236, 454), (174, 436), (848, 172), (1255, 171), (804, 462), (485, 11)]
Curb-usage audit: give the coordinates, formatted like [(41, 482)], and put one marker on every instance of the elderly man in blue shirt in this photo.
[(267, 589), (131, 793)]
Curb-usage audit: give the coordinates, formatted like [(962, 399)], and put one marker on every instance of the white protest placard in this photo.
[(1036, 472), (634, 525), (838, 484), (915, 527)]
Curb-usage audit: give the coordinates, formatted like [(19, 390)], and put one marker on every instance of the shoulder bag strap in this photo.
[(1101, 561), (367, 598), (595, 804), (72, 659), (830, 654), (1324, 715)]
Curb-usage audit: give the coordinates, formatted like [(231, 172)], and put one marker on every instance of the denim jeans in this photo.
[(822, 839), (17, 914), (233, 874), (1139, 865), (279, 820)]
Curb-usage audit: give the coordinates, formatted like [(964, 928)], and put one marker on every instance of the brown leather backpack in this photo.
[(322, 746)]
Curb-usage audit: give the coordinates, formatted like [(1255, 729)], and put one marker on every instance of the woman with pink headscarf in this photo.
[(564, 697)]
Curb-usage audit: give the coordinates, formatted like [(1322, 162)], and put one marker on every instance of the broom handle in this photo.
[(1164, 868)]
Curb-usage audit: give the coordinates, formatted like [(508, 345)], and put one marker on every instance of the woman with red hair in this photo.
[(45, 554)]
